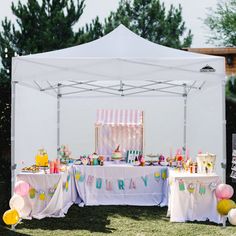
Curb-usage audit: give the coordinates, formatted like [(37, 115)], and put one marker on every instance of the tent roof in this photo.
[(120, 43), (119, 56)]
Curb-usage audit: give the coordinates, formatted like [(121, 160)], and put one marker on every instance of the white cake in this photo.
[(117, 154)]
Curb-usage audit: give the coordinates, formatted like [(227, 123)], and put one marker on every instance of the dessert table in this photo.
[(50, 195), (192, 197), (122, 184)]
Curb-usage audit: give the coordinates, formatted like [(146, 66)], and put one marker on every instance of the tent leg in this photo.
[(13, 165), (185, 121), (223, 164), (58, 119)]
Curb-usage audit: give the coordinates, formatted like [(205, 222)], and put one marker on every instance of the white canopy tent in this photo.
[(55, 96)]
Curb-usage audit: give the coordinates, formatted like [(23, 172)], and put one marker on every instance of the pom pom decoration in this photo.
[(224, 191), (225, 205), (11, 217), (232, 216), (22, 188), (17, 202)]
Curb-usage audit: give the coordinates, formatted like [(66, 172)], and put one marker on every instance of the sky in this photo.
[(193, 12)]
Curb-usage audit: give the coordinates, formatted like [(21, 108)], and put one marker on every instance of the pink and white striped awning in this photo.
[(119, 117)]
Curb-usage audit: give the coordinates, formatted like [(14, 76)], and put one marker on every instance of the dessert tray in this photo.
[(31, 169)]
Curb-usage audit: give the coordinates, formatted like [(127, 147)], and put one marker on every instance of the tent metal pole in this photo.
[(58, 118), (13, 165), (224, 163), (185, 120)]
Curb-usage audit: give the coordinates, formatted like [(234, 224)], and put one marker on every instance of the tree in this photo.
[(41, 26), (149, 19), (231, 88), (6, 53), (222, 24)]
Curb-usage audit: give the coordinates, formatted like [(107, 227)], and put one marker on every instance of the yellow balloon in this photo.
[(225, 205), (11, 217)]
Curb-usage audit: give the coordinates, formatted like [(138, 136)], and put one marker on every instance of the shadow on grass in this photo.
[(95, 218), (8, 232)]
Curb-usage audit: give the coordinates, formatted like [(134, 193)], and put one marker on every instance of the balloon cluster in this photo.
[(18, 207), (225, 205)]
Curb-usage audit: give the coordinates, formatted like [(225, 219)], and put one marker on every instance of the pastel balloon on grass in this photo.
[(17, 202), (11, 217), (225, 205), (22, 188), (224, 191), (232, 216)]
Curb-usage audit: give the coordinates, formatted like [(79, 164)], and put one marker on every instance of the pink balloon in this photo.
[(224, 191), (21, 188)]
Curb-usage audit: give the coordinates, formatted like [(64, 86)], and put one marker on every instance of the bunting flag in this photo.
[(181, 185), (202, 189), (164, 174), (32, 193), (196, 186), (79, 176), (191, 188), (212, 186), (122, 184), (157, 176), (42, 195)]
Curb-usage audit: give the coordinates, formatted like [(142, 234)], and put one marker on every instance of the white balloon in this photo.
[(232, 216), (17, 202)]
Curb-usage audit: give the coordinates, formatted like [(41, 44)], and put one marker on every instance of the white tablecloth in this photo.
[(121, 185), (54, 205), (185, 205)]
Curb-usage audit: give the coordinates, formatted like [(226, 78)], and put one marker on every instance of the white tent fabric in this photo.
[(120, 55), (181, 94)]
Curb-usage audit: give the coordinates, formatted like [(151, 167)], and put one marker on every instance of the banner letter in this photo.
[(90, 180), (121, 184), (145, 179), (132, 184), (98, 183), (108, 185)]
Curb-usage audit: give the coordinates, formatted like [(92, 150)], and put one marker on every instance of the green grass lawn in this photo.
[(118, 220)]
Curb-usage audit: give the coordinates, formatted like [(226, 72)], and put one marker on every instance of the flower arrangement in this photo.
[(64, 153)]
